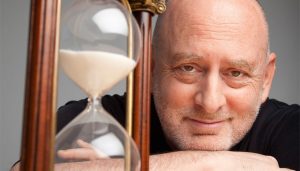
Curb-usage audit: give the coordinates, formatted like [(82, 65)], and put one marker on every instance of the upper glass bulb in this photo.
[(99, 29)]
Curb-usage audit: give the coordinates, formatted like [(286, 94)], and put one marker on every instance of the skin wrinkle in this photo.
[(194, 58), (242, 64), (182, 57), (217, 31)]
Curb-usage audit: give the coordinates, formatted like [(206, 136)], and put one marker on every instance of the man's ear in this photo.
[(268, 76)]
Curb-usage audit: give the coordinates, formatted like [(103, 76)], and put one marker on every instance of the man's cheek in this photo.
[(178, 94), (241, 100)]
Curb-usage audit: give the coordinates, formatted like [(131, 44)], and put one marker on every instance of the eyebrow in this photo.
[(185, 56), (242, 64)]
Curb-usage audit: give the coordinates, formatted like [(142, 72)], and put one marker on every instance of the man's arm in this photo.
[(212, 161), (185, 160)]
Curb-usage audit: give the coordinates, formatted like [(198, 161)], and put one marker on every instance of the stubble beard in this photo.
[(180, 138)]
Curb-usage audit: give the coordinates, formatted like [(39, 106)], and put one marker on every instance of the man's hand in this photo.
[(85, 152)]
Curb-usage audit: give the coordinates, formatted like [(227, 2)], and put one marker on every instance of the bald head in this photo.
[(214, 19)]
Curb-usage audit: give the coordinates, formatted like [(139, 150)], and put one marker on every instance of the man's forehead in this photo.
[(186, 12), (212, 12), (212, 19)]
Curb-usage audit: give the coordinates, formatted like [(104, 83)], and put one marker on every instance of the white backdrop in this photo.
[(283, 17)]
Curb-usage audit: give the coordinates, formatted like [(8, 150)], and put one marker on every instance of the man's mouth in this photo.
[(206, 126)]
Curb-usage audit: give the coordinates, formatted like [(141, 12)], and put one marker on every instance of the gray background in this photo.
[(283, 17)]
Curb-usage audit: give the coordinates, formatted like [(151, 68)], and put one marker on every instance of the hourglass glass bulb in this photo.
[(95, 54)]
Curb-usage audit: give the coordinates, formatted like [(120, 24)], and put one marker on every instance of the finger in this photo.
[(84, 144), (79, 154)]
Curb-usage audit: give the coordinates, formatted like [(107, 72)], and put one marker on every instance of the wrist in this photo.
[(183, 160)]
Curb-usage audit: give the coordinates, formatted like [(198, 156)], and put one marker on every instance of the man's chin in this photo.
[(206, 143)]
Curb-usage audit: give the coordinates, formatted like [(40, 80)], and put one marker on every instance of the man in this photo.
[(212, 73)]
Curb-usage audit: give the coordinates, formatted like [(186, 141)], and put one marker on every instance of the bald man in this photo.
[(212, 73), (211, 80)]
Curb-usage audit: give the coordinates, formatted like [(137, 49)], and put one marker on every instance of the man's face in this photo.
[(208, 79)]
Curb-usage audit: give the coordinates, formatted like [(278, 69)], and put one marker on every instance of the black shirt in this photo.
[(275, 131)]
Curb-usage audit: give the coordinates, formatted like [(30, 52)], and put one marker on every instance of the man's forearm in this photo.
[(102, 164), (184, 160), (213, 161), (170, 161)]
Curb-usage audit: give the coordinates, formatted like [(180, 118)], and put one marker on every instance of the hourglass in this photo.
[(97, 50)]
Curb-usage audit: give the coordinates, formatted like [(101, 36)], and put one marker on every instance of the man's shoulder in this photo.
[(275, 132), (116, 106), (283, 132), (274, 104), (277, 112), (68, 112), (275, 116), (113, 104), (276, 122)]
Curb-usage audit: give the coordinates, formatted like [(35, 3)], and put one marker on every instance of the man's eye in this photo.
[(236, 73), (187, 68)]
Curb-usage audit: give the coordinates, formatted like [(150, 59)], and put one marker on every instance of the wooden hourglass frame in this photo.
[(41, 83)]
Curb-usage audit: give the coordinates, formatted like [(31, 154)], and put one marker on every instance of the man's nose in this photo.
[(210, 96)]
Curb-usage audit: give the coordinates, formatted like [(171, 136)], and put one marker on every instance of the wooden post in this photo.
[(40, 91), (143, 11), (142, 97)]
